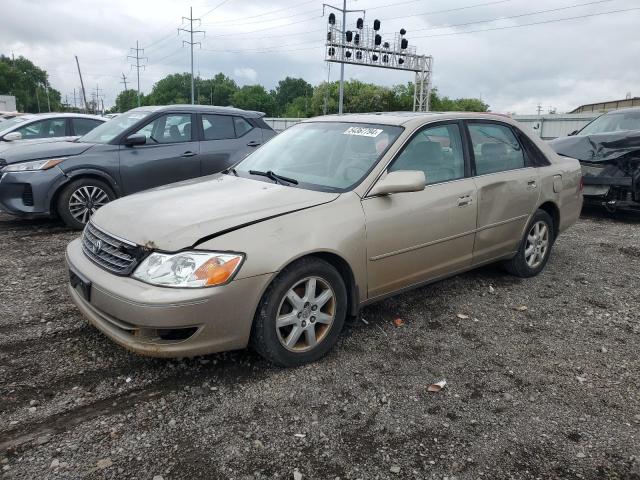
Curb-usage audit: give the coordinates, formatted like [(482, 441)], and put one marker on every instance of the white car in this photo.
[(48, 126)]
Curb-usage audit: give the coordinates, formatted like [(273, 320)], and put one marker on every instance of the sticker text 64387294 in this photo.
[(363, 131)]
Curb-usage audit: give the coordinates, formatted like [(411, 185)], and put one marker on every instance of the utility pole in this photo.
[(539, 109), (37, 99), (84, 93), (191, 43), (75, 105), (46, 89), (343, 30), (137, 66), (124, 80), (98, 97)]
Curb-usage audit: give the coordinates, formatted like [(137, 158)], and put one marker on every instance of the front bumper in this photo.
[(29, 193), (166, 322)]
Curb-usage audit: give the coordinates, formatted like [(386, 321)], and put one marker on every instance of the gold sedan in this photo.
[(332, 214)]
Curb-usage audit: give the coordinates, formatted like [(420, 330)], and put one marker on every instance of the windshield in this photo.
[(331, 156), (13, 122), (613, 122), (111, 129)]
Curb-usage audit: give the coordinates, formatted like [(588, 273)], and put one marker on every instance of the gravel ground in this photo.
[(547, 391)]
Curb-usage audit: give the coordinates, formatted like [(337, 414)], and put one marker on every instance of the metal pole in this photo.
[(191, 33), (84, 93), (138, 69), (37, 99), (344, 23), (46, 89), (326, 93)]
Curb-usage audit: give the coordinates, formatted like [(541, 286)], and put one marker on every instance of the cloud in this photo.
[(245, 73), (560, 64)]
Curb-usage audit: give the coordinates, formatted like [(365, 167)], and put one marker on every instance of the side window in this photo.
[(218, 127), (242, 126), (171, 128), (495, 148), (50, 128), (437, 151), (84, 125)]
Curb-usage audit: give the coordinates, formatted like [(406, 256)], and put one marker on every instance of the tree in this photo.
[(254, 97), (29, 84), (289, 90), (126, 100), (216, 91), (172, 89)]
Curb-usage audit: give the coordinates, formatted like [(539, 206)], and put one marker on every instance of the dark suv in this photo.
[(143, 148)]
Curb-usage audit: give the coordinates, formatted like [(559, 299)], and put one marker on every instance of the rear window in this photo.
[(218, 127)]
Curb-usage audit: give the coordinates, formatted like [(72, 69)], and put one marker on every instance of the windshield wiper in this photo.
[(274, 176), (230, 170)]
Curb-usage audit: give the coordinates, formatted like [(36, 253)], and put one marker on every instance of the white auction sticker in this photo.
[(363, 132)]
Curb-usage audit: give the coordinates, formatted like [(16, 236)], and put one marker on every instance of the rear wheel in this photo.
[(79, 200), (535, 247), (301, 314)]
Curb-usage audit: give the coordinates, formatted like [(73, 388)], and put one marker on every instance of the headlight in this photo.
[(189, 269), (32, 166)]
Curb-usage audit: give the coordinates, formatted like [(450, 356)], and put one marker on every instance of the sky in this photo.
[(514, 54)]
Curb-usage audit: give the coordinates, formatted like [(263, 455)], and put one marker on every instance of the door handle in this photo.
[(188, 154), (531, 184), (253, 143), (465, 200)]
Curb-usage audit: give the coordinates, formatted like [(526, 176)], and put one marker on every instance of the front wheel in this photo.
[(301, 314), (79, 200), (535, 247)]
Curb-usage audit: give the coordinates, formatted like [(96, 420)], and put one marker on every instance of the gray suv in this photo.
[(141, 149)]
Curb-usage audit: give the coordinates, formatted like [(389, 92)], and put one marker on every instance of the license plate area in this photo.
[(80, 284)]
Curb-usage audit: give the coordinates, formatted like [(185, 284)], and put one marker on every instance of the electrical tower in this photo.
[(124, 80), (137, 65), (365, 46), (191, 43)]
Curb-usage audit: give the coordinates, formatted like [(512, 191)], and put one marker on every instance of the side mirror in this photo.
[(135, 139), (10, 137), (400, 181), (573, 133)]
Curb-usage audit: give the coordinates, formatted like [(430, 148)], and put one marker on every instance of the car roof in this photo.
[(408, 118), (623, 110), (200, 109), (40, 116)]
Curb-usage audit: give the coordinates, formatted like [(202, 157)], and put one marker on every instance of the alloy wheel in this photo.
[(306, 314), (537, 244), (85, 201)]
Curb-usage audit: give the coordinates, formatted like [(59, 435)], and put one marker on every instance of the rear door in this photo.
[(417, 236), (170, 154), (226, 139), (507, 188)]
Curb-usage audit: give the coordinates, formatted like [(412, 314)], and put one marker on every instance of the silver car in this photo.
[(332, 214)]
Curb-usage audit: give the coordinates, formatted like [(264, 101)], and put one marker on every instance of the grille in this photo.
[(112, 254), (27, 195)]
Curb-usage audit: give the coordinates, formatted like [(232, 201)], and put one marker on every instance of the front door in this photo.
[(507, 189), (170, 155), (417, 236)]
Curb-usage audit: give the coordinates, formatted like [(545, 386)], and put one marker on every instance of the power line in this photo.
[(263, 14), (214, 8), (532, 23), (513, 16)]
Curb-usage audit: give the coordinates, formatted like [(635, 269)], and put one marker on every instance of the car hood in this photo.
[(29, 151), (601, 147), (181, 215), (4, 146)]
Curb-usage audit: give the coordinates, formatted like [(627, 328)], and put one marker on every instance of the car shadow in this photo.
[(597, 213)]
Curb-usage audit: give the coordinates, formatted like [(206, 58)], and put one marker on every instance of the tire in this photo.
[(95, 193), (540, 240), (278, 345)]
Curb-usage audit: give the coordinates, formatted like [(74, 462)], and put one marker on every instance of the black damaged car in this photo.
[(608, 149)]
